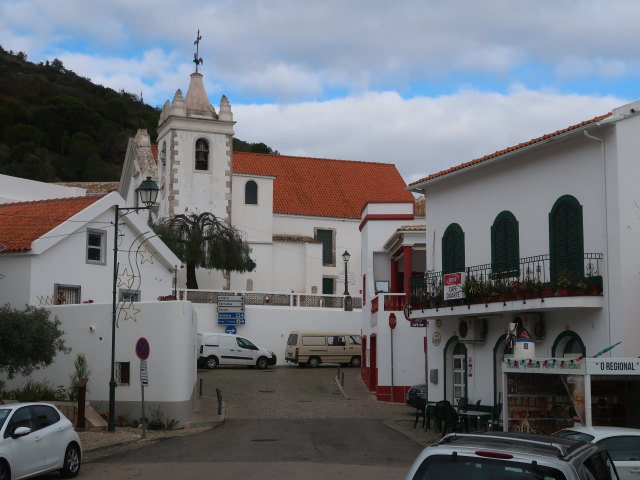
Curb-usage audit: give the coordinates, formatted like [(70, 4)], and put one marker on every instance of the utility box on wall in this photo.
[(433, 376)]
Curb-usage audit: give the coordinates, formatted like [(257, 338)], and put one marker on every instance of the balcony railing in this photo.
[(271, 299), (531, 277)]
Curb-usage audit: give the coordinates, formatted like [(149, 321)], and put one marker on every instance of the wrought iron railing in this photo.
[(270, 299), (530, 277)]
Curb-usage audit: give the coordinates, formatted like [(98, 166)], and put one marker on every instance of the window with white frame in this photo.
[(66, 294), (96, 247)]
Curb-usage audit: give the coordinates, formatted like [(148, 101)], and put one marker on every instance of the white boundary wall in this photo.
[(269, 326), (170, 329)]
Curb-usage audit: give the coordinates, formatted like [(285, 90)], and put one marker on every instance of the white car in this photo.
[(623, 445), (37, 438)]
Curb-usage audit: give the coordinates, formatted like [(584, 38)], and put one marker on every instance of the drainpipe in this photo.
[(606, 223)]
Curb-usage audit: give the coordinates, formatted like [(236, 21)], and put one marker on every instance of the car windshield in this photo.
[(293, 339), (585, 437), (445, 467), (4, 413)]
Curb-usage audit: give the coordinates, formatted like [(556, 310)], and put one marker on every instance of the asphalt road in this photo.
[(282, 423)]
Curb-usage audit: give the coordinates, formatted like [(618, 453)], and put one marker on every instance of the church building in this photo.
[(300, 215)]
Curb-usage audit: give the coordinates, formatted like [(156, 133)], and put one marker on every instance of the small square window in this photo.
[(66, 294), (123, 373), (129, 295), (96, 247)]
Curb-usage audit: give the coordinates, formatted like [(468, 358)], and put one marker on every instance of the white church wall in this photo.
[(256, 221)]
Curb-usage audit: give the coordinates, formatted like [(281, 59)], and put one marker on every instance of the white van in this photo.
[(310, 348), (226, 349)]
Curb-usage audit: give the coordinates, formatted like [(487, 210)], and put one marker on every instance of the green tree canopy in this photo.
[(29, 339), (204, 240)]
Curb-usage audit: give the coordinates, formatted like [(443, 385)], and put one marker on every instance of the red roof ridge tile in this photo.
[(513, 148)]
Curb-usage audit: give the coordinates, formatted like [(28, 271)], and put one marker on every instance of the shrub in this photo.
[(34, 391)]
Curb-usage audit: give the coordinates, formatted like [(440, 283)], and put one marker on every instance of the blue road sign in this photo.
[(142, 348), (231, 315), (231, 329)]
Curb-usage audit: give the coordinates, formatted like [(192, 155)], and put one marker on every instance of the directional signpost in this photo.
[(230, 310)]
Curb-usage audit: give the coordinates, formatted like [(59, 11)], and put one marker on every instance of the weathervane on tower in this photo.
[(196, 58)]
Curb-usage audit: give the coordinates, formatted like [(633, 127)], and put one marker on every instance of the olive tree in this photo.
[(29, 340)]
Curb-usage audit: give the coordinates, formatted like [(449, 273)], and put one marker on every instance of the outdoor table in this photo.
[(468, 414)]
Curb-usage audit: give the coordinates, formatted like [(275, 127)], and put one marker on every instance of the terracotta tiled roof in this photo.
[(154, 151), (294, 239), (412, 228), (93, 188), (24, 222), (324, 187), (512, 149)]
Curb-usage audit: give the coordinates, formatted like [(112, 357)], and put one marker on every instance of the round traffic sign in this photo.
[(142, 348), (392, 321), (230, 329)]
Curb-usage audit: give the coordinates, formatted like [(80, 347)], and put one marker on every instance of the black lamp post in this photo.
[(148, 193), (346, 257)]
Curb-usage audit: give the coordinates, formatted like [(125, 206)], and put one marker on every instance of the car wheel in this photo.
[(313, 362), (355, 361), (71, 465), (262, 363), (211, 363), (5, 473)]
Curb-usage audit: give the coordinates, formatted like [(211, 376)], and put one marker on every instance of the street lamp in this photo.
[(346, 257), (147, 193)]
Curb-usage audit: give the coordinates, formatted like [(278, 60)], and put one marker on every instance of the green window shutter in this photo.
[(453, 249), (326, 238), (566, 240), (505, 243)]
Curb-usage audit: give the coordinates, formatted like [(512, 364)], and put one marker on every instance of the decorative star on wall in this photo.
[(146, 255), (125, 278), (130, 311)]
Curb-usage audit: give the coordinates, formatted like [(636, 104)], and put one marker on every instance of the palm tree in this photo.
[(204, 240)]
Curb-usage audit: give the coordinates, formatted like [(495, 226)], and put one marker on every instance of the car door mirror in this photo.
[(21, 432)]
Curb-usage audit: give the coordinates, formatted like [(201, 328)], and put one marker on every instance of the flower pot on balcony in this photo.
[(565, 291)]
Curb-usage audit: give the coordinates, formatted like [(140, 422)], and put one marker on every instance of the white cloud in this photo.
[(420, 135)]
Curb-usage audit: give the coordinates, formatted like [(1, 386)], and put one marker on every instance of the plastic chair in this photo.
[(463, 403), (452, 421), (439, 413), (495, 422)]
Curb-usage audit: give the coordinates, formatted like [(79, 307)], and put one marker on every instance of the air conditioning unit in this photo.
[(533, 322), (472, 330)]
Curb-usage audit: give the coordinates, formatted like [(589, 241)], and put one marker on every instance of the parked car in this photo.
[(623, 444), (503, 455), (312, 348), (226, 349), (417, 396), (37, 438)]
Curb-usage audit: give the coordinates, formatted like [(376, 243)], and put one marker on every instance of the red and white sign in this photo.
[(392, 321), (453, 286)]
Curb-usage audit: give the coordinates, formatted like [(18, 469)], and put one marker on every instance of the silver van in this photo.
[(225, 349), (311, 348)]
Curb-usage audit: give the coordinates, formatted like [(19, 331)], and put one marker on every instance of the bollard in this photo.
[(219, 395), (338, 374), (342, 379), (81, 385), (200, 387)]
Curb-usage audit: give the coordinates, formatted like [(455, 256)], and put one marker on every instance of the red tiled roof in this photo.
[(154, 151), (323, 187), (512, 149), (24, 222)]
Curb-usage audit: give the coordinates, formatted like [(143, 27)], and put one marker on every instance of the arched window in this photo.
[(251, 193), (163, 153), (505, 244), (453, 249), (202, 154), (566, 242)]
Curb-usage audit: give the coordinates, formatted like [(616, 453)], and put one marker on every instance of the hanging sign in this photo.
[(452, 287), (144, 373)]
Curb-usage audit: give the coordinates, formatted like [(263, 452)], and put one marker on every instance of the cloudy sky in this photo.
[(424, 84)]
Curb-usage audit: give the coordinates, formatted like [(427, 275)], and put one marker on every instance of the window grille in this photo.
[(66, 294)]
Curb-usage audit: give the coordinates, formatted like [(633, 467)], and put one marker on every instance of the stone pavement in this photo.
[(361, 402)]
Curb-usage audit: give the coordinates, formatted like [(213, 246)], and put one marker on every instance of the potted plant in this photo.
[(564, 282), (156, 419), (548, 290)]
